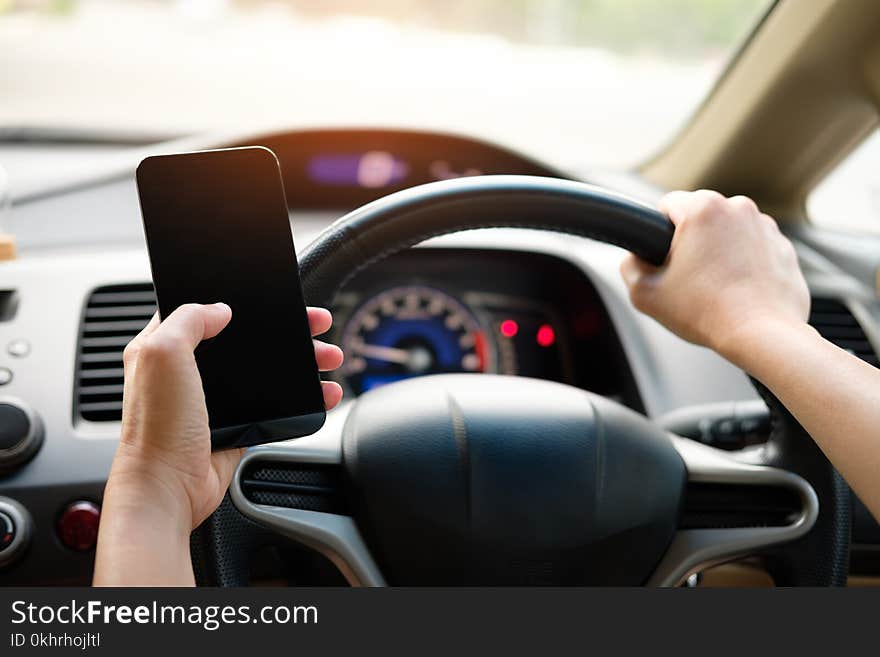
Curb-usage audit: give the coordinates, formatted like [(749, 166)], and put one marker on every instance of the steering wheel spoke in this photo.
[(732, 509), (291, 489)]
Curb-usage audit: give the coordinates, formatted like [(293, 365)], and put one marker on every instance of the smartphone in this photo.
[(218, 229)]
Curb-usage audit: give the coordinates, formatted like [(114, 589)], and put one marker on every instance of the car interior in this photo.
[(493, 268)]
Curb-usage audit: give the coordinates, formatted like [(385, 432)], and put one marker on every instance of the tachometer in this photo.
[(410, 331)]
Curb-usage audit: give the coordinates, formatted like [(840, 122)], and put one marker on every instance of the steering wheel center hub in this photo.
[(499, 480)]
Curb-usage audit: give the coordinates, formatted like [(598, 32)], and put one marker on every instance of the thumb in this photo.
[(192, 323), (641, 279), (217, 317)]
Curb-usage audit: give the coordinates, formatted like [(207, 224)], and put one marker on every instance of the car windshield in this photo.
[(578, 82)]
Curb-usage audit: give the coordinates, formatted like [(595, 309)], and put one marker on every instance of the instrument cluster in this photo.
[(432, 311)]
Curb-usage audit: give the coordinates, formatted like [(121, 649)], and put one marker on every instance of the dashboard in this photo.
[(334, 169), (524, 303), (424, 311)]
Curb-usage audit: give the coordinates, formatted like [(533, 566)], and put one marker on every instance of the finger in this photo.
[(674, 205), (640, 278), (328, 356), (149, 328), (770, 222), (320, 320), (131, 349), (679, 206), (192, 323), (634, 270), (744, 204), (332, 393)]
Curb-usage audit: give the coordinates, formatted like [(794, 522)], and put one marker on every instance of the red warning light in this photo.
[(545, 336), (509, 328)]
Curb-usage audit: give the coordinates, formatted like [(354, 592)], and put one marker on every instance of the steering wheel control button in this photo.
[(19, 348), (15, 530), (21, 433), (5, 376), (78, 526), (725, 434), (726, 425)]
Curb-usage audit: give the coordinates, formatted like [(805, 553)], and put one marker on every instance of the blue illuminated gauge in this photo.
[(411, 331)]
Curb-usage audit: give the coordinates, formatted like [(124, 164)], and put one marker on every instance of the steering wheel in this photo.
[(496, 480)]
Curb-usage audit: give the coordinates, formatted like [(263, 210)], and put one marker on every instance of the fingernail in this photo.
[(223, 306)]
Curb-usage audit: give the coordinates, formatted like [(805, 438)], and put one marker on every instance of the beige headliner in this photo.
[(803, 92)]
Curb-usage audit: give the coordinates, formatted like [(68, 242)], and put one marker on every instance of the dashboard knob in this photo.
[(21, 433), (78, 526), (16, 527), (8, 530)]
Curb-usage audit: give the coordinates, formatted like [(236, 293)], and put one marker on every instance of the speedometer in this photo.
[(409, 331)]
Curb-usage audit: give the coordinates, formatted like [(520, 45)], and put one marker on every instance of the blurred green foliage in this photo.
[(49, 7), (669, 25)]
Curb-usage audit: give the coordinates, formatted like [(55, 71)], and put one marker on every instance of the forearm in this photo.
[(142, 540), (833, 394)]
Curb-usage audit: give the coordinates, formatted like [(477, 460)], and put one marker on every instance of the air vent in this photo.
[(726, 506), (294, 486), (837, 324), (112, 317)]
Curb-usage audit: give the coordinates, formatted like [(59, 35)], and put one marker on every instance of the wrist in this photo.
[(747, 344), (138, 549), (145, 528), (140, 485)]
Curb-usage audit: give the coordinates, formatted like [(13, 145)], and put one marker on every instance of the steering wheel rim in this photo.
[(388, 225), (818, 556)]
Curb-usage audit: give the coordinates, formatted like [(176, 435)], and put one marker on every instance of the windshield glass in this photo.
[(849, 198), (578, 82)]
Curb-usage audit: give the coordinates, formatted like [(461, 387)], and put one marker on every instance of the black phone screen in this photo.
[(218, 229)]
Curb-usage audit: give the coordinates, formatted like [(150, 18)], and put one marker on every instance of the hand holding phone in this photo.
[(218, 230)]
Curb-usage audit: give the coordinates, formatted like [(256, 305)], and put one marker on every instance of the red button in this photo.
[(78, 526)]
